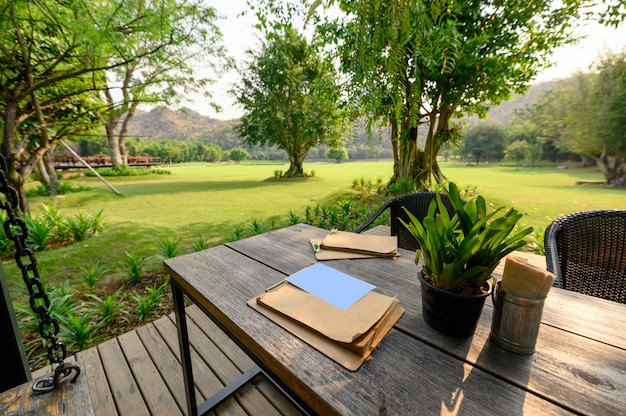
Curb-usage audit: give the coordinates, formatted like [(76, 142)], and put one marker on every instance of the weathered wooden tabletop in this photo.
[(579, 365)]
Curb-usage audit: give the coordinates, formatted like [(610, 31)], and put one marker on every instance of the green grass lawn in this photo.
[(207, 201)]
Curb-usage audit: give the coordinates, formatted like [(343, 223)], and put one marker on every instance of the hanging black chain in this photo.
[(16, 230)]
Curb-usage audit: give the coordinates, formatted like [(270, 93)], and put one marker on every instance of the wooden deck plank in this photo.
[(240, 359), (166, 362), (126, 393), (205, 380), (249, 398), (153, 388), (227, 345), (73, 399), (101, 395), (139, 373)]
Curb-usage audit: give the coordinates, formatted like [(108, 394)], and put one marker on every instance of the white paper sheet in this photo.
[(335, 287)]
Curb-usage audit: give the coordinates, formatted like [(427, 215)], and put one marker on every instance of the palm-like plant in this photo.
[(463, 250)]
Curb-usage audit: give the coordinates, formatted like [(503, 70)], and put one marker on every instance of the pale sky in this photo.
[(239, 35)]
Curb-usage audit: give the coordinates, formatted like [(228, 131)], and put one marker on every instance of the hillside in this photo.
[(503, 113), (188, 125)]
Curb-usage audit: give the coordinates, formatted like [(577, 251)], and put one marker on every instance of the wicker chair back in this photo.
[(417, 203), (587, 253)]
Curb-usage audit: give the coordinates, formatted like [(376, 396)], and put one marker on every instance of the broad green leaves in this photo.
[(468, 246)]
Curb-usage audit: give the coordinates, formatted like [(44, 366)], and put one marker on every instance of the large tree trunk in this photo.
[(44, 168), (9, 151), (295, 168), (420, 167), (613, 168)]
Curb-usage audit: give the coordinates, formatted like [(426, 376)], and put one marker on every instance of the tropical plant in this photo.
[(134, 266), (39, 232), (148, 303), (238, 231), (460, 253), (94, 274), (169, 248), (200, 244), (109, 307), (257, 226), (79, 226), (78, 330)]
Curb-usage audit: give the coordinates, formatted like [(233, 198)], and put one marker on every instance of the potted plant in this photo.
[(458, 255)]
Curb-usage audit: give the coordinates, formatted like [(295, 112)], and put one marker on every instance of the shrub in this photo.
[(169, 248), (94, 275), (109, 308), (39, 232), (134, 267), (200, 244)]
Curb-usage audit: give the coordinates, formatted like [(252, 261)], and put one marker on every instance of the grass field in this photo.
[(207, 201)]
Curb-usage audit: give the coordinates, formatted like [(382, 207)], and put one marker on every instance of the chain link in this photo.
[(17, 231)]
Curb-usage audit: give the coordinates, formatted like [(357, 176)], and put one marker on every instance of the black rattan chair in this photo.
[(417, 204), (587, 253)]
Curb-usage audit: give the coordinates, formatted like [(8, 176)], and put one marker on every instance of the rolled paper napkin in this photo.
[(522, 279)]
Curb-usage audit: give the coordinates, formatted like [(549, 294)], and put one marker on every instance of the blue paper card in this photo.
[(335, 287)]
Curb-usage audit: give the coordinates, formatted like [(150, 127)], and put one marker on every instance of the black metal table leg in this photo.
[(185, 352)]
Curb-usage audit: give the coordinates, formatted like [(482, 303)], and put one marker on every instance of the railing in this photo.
[(71, 162)]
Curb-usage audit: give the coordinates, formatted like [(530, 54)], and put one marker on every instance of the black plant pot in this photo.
[(451, 313)]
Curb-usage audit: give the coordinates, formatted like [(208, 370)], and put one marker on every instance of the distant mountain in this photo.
[(183, 125), (503, 113), (187, 125)]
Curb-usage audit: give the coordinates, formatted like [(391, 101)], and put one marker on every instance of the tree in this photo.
[(55, 58), (484, 141), (614, 12), (48, 52), (175, 37), (517, 151), (289, 94), (337, 154), (595, 122), (238, 154), (417, 63)]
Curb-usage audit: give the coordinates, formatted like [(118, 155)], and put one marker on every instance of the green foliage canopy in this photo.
[(290, 97), (484, 141), (417, 63)]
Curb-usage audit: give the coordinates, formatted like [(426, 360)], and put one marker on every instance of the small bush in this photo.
[(238, 232), (124, 171), (94, 275), (134, 266), (169, 248), (200, 244), (109, 308)]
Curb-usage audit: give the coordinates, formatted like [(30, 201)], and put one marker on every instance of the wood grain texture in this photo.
[(580, 364), (73, 399)]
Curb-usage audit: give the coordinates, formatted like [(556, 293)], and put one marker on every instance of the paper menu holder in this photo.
[(346, 245), (347, 336)]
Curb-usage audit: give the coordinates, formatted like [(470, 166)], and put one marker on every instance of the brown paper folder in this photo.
[(375, 245), (332, 322), (346, 336), (336, 351), (325, 254)]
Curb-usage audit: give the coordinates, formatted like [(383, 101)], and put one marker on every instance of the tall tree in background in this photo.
[(483, 141), (416, 64), (55, 58), (49, 51), (169, 38), (289, 95), (595, 122)]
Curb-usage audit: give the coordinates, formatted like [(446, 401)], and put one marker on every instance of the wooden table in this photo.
[(579, 365)]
